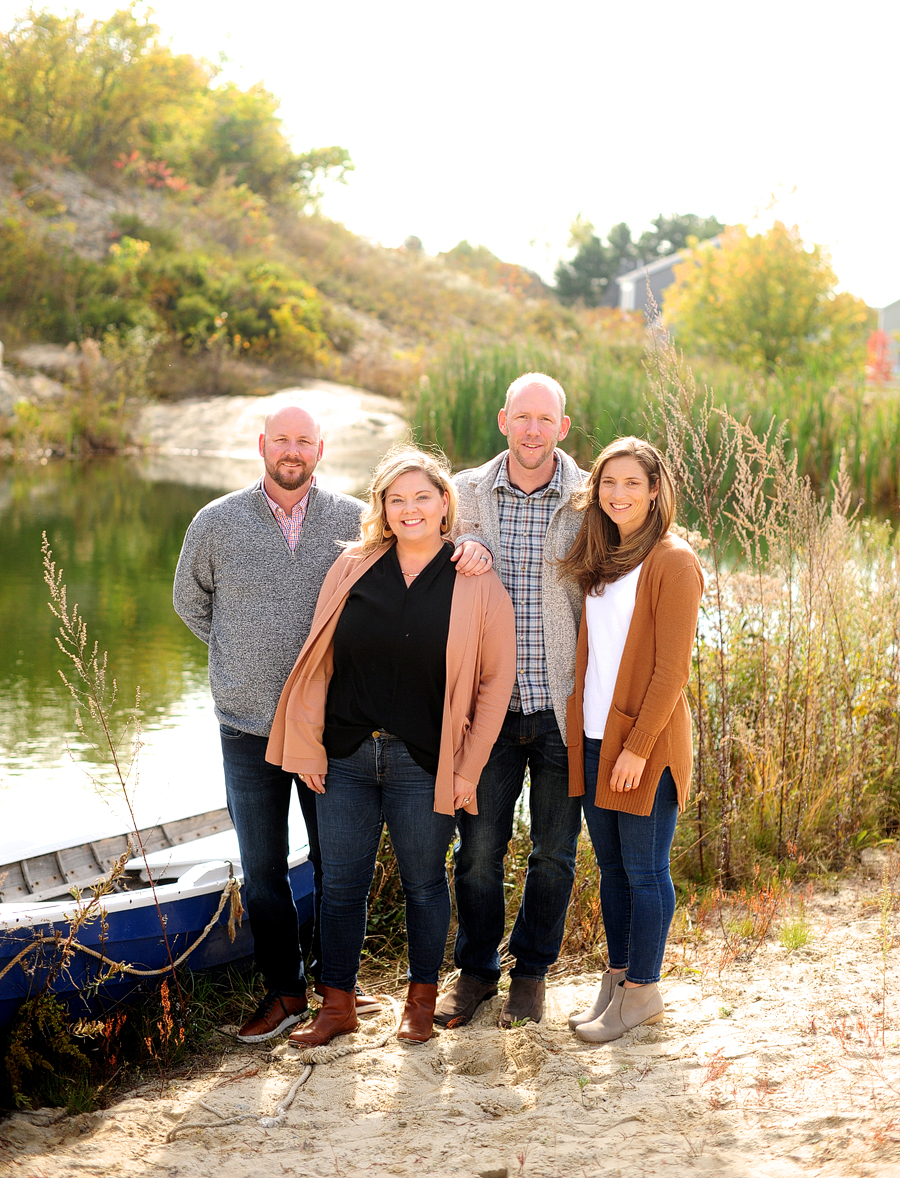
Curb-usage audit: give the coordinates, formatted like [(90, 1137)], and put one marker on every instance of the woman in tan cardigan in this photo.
[(629, 725), (389, 715)]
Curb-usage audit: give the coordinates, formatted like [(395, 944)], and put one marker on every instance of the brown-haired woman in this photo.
[(629, 718), (389, 715)]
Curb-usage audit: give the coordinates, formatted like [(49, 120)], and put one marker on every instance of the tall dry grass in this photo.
[(796, 676)]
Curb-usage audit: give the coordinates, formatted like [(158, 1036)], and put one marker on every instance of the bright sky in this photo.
[(498, 121)]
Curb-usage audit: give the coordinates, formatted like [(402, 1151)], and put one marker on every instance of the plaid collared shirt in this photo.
[(291, 525), (524, 520)]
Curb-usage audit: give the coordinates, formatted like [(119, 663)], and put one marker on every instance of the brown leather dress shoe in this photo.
[(337, 1016), (274, 1014), (417, 1023)]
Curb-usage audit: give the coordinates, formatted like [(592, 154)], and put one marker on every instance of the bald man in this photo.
[(247, 581)]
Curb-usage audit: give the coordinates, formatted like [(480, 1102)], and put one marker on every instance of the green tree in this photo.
[(109, 94), (92, 92), (587, 277), (766, 301), (590, 276), (671, 234)]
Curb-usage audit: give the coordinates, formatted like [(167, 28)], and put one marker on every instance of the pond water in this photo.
[(115, 528)]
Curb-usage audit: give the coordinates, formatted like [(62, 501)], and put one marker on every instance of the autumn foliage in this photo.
[(766, 302)]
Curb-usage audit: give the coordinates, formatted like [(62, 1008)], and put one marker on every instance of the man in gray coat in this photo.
[(519, 503), (246, 584)]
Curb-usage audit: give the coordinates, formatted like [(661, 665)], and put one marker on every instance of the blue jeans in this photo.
[(532, 742), (637, 897), (259, 796), (381, 783)]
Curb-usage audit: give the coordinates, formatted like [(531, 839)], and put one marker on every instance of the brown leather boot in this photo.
[(337, 1016), (418, 1014)]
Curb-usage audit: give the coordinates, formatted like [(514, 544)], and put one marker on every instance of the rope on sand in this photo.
[(308, 1056)]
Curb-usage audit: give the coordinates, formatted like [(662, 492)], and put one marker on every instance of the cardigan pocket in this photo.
[(617, 730)]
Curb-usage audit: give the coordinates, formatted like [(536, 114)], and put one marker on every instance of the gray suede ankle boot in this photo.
[(628, 1008), (608, 983)]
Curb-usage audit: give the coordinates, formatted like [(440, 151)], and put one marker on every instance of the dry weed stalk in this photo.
[(94, 693)]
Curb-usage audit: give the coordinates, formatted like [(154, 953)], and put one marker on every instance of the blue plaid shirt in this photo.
[(524, 520)]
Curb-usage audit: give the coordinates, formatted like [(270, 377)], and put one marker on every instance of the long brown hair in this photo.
[(600, 555)]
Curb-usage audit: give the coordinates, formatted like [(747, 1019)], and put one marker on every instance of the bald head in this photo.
[(293, 418), (290, 446)]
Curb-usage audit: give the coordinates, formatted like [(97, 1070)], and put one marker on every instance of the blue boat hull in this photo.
[(132, 934)]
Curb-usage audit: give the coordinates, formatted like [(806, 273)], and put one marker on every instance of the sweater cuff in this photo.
[(640, 743)]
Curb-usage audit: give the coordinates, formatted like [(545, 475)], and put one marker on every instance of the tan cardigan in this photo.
[(649, 713), (481, 670)]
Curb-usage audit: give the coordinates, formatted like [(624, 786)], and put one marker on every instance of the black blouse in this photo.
[(390, 659)]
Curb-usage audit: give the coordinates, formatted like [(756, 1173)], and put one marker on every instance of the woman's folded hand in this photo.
[(626, 774)]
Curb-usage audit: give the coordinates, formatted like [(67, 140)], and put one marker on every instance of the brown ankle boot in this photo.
[(337, 1016), (418, 1014)]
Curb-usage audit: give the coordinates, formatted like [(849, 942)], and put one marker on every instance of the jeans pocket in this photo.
[(229, 732)]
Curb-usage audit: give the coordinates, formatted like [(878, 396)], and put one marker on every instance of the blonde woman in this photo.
[(389, 716), (629, 723)]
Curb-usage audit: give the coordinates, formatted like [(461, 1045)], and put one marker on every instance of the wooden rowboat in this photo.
[(195, 865)]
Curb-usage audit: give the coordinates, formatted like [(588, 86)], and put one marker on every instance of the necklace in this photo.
[(412, 576)]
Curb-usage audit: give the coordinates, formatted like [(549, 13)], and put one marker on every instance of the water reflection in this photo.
[(116, 535)]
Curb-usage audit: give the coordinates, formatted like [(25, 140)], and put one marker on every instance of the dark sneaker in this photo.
[(274, 1014), (365, 1003), (458, 1005), (524, 1002)]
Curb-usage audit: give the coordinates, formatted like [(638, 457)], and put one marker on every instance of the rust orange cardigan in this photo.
[(649, 713), (481, 670)]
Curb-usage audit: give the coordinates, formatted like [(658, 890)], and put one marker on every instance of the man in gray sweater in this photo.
[(519, 503), (247, 581)]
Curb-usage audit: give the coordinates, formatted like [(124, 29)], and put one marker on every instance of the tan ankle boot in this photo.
[(337, 1016), (608, 983), (629, 1008), (417, 1023)]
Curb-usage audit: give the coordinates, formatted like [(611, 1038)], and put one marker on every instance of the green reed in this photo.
[(828, 417)]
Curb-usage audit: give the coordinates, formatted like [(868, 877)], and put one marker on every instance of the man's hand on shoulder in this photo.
[(472, 559)]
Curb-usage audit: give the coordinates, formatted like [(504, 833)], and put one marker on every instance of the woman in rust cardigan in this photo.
[(389, 715), (629, 724)]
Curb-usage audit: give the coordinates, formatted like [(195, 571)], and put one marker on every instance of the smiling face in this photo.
[(533, 422), (413, 509), (291, 446), (625, 494)]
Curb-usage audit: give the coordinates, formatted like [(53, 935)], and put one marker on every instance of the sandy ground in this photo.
[(770, 1065), (219, 435)]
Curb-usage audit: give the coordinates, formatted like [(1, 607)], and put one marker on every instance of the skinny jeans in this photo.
[(380, 784), (637, 897)]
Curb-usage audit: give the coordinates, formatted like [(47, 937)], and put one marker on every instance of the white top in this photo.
[(608, 618)]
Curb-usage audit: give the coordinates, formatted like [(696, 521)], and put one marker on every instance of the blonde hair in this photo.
[(600, 555), (400, 460)]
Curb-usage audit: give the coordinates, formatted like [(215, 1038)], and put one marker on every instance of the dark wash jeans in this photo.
[(259, 796), (381, 784), (532, 742), (637, 897)]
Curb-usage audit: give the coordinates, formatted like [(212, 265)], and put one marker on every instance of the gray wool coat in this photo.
[(479, 518), (242, 591)]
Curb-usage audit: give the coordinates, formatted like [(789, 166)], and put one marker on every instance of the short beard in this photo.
[(288, 482)]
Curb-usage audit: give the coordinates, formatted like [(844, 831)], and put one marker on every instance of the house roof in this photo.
[(650, 268), (664, 263)]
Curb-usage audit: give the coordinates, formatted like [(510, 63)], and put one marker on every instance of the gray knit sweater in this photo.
[(241, 590), (479, 519)]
